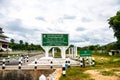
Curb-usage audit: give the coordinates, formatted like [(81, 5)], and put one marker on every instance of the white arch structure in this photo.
[(50, 40), (63, 51)]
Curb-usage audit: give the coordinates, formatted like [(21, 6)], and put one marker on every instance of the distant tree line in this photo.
[(92, 47), (23, 46), (107, 47)]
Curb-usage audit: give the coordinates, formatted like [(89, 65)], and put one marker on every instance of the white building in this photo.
[(3, 41)]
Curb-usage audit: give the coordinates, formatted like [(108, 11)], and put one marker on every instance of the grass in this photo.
[(14, 55), (6, 55), (76, 73), (58, 55), (102, 61), (111, 72), (106, 61), (107, 73)]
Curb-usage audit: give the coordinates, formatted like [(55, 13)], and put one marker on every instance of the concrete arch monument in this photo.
[(59, 40)]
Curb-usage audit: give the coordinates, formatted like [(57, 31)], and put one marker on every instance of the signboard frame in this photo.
[(54, 44), (85, 53)]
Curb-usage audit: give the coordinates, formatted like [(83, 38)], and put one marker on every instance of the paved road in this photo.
[(41, 63)]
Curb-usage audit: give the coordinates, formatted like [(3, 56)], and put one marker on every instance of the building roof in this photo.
[(4, 36), (1, 30), (4, 40)]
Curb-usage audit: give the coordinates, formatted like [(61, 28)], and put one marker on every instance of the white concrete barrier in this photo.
[(42, 77)]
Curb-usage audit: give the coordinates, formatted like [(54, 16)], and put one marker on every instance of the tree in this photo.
[(71, 45), (12, 41), (114, 23), (21, 42), (26, 43), (23, 46)]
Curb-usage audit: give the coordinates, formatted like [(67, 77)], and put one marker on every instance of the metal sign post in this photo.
[(85, 54)]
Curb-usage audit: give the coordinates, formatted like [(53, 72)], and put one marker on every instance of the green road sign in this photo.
[(55, 40), (85, 53)]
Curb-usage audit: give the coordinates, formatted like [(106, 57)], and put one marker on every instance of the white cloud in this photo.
[(84, 20)]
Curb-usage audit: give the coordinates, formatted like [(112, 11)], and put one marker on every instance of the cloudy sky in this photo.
[(84, 20)]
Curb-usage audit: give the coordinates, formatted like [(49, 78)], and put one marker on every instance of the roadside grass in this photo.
[(57, 55), (16, 55), (76, 73), (106, 61), (102, 61), (6, 55), (111, 72), (107, 73)]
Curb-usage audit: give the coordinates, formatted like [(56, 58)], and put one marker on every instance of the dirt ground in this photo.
[(95, 74)]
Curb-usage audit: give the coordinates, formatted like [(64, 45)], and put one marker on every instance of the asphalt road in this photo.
[(42, 64)]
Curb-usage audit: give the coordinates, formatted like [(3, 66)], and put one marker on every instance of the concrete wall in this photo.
[(31, 74)]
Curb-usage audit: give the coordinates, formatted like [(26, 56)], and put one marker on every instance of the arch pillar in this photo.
[(63, 52), (53, 52), (62, 48), (46, 51)]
